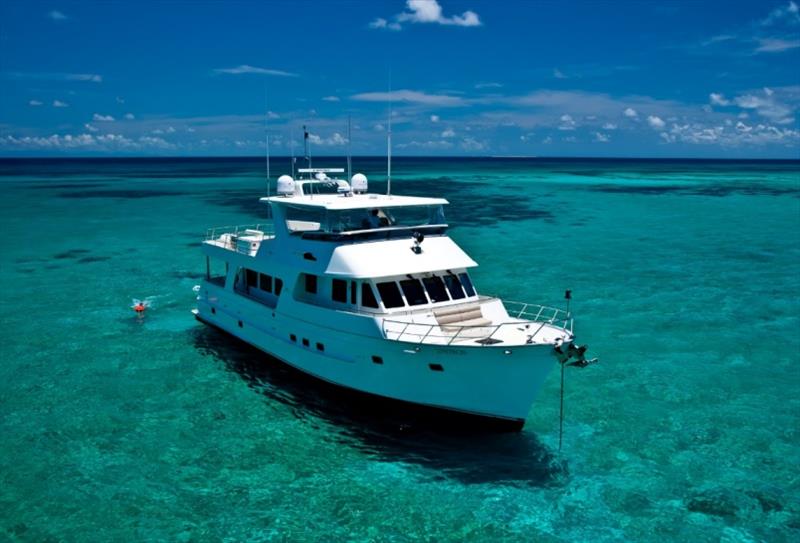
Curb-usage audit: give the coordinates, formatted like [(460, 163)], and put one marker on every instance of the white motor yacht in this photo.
[(368, 292)]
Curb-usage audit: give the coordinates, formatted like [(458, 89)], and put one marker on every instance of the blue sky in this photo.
[(467, 77)]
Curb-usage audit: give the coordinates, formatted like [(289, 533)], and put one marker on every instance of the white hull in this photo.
[(483, 381)]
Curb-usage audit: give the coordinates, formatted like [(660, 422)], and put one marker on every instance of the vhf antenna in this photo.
[(349, 151), (389, 143)]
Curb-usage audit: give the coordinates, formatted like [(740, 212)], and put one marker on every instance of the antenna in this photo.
[(389, 143), (266, 135), (291, 145), (349, 153), (307, 146)]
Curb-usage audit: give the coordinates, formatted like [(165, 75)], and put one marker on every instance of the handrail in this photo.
[(236, 230), (228, 236), (446, 334)]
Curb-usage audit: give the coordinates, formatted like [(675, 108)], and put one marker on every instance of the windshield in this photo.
[(373, 218)]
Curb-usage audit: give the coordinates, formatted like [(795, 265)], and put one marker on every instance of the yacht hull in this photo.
[(487, 384)]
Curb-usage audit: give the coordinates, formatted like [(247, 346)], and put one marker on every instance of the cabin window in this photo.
[(278, 286), (435, 287), (454, 286), (390, 294), (353, 292), (415, 294), (367, 296), (305, 342), (311, 283), (252, 278), (467, 283), (216, 271), (339, 290), (265, 282)]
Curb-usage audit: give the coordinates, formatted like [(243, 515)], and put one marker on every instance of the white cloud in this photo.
[(59, 103), (54, 76), (247, 69), (34, 103), (789, 13), (330, 98), (601, 138), (57, 15), (741, 134), (718, 99), (656, 122), (426, 12), (471, 144), (120, 100), (430, 144), (448, 133), (630, 112), (609, 126), (334, 140), (434, 118), (414, 97), (272, 115), (102, 118), (130, 116), (90, 128), (380, 22), (567, 123), (488, 85), (776, 45), (104, 142), (558, 74), (378, 127), (770, 104)]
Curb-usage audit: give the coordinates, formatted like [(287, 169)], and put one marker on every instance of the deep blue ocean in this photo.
[(686, 284)]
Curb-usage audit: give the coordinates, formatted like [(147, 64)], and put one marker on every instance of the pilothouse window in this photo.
[(467, 283), (390, 294), (367, 296), (415, 294), (435, 287), (454, 287)]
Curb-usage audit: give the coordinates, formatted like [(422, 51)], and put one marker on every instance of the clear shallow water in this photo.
[(686, 280)]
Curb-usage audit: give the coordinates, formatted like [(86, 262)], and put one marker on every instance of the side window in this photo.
[(435, 287), (390, 294), (454, 286), (278, 286), (311, 283), (415, 294), (265, 282), (367, 296), (467, 283), (252, 278), (339, 291)]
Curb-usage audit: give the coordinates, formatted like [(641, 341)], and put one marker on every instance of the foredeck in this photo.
[(526, 324)]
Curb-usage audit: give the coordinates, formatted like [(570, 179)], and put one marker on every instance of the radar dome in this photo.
[(285, 185), (359, 183)]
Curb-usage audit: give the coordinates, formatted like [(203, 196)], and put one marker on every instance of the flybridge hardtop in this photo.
[(369, 292)]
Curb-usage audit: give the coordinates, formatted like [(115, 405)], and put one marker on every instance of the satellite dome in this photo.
[(285, 185), (359, 183)]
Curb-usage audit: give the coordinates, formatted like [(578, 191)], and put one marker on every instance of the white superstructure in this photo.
[(367, 291)]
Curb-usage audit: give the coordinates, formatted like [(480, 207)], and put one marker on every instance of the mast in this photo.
[(349, 153), (291, 146), (307, 146), (389, 145)]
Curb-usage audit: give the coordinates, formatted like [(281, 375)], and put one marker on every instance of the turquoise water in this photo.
[(686, 284)]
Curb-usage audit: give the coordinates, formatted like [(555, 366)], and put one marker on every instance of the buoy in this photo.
[(139, 308)]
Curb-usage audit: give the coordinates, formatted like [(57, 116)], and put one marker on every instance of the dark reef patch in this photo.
[(703, 190), (72, 253), (88, 259), (126, 194)]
